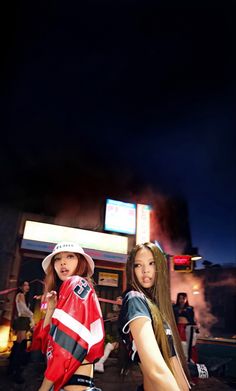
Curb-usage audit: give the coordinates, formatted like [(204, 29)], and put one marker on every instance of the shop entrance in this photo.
[(109, 285)]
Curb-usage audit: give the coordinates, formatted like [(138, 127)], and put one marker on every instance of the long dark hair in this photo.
[(21, 290), (185, 296), (159, 300)]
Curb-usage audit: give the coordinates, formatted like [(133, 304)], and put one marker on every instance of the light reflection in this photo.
[(4, 337)]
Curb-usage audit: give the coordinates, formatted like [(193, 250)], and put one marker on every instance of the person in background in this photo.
[(21, 325), (110, 346), (187, 326), (72, 333), (147, 324)]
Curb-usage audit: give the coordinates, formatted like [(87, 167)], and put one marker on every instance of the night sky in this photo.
[(112, 98)]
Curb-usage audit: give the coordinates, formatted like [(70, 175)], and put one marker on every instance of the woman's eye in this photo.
[(152, 263), (70, 256), (137, 265)]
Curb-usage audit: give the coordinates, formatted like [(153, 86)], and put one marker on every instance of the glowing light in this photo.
[(4, 337), (182, 263), (120, 217), (196, 293), (42, 237), (196, 258)]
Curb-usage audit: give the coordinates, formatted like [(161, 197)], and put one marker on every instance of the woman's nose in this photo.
[(145, 269)]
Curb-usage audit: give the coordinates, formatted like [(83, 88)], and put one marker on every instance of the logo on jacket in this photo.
[(49, 353), (82, 289)]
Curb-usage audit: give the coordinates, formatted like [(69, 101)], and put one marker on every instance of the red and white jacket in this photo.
[(76, 332)]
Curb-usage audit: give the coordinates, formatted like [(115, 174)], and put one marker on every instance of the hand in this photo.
[(197, 327), (119, 300), (51, 299), (37, 297), (46, 385)]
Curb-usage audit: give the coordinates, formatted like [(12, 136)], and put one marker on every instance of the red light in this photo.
[(182, 263)]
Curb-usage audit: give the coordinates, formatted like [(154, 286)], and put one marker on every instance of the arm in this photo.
[(194, 322), (51, 305), (191, 315), (46, 385), (154, 368)]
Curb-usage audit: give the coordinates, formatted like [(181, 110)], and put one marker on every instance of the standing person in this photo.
[(72, 333), (186, 324), (21, 325), (114, 345), (147, 323)]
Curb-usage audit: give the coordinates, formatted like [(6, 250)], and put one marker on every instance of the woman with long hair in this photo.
[(147, 324), (72, 334), (21, 325), (187, 326)]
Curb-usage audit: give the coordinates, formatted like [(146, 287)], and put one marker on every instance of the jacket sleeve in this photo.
[(40, 337), (77, 331)]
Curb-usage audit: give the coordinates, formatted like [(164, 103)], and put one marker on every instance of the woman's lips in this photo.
[(64, 271), (146, 280)]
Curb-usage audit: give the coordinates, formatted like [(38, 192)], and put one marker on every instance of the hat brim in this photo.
[(46, 262)]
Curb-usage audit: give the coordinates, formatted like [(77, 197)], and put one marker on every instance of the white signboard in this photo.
[(143, 223), (49, 233), (120, 217)]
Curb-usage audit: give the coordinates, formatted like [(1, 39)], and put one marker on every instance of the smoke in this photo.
[(194, 287), (163, 213), (228, 281), (165, 223), (82, 214), (175, 238)]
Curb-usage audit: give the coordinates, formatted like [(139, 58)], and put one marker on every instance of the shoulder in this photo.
[(77, 286), (19, 296), (134, 296), (135, 300), (134, 305)]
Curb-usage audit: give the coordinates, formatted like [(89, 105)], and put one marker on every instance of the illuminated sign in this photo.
[(108, 279), (143, 223), (182, 263), (120, 217), (43, 237)]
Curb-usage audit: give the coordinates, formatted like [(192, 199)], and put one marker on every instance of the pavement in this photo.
[(110, 380)]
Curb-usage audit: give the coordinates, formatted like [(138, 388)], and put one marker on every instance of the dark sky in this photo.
[(107, 96)]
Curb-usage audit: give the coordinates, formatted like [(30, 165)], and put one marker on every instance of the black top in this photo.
[(135, 306), (186, 312)]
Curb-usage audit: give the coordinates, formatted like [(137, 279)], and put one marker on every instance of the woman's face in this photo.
[(145, 268), (65, 264), (25, 287), (182, 300)]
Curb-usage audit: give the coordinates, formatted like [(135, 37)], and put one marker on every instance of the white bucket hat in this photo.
[(68, 247)]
